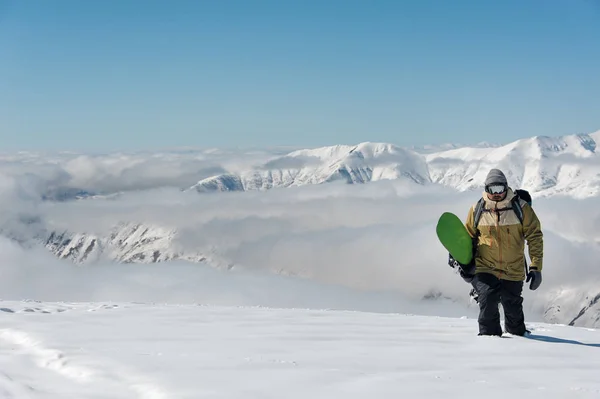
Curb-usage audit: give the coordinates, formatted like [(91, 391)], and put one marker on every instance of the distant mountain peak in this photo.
[(567, 165), (354, 164)]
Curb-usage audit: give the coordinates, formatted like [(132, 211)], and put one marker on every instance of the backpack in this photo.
[(524, 195), (516, 207)]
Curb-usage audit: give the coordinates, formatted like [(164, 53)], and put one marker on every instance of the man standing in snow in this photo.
[(498, 268)]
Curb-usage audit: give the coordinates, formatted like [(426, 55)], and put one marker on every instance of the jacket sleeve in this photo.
[(532, 231)]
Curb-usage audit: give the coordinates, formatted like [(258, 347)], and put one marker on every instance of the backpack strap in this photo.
[(477, 215), (516, 206), (478, 211)]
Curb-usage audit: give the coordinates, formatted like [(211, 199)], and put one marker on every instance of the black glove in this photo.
[(467, 272), (536, 279)]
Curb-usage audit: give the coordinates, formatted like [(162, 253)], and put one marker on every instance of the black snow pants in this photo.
[(493, 291)]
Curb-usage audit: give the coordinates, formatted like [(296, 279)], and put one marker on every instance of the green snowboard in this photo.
[(454, 236)]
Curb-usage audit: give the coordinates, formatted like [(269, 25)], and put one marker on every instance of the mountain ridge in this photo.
[(544, 165), (359, 163)]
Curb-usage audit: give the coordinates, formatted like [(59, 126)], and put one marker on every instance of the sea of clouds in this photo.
[(362, 247)]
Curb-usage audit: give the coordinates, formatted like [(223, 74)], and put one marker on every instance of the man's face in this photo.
[(496, 192)]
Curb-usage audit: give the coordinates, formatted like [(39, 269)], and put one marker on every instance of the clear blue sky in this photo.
[(123, 74)]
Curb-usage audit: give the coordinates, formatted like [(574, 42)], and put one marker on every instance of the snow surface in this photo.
[(153, 351)]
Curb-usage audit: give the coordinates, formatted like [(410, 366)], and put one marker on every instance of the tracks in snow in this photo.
[(31, 369)]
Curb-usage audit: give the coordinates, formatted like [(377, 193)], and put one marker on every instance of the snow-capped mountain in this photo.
[(350, 164), (546, 166), (126, 243)]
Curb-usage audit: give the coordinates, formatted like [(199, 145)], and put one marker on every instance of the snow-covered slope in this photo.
[(546, 166), (350, 164), (142, 351), (581, 304)]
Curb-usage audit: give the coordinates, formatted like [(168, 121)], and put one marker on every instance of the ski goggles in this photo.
[(495, 188)]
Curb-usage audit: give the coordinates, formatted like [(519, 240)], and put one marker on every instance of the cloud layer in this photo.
[(57, 174), (367, 240)]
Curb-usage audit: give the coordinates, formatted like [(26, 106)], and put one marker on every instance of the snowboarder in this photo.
[(524, 195), (500, 224)]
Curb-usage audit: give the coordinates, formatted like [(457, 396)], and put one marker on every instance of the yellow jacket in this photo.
[(501, 244)]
